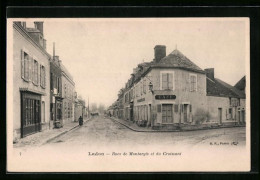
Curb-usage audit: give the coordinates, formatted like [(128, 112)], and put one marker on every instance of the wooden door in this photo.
[(220, 115)]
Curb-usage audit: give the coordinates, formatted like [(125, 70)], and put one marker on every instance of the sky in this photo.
[(101, 53)]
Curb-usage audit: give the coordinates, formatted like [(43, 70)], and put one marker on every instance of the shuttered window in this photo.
[(144, 85), (42, 76), (25, 66), (193, 82), (35, 73), (167, 81)]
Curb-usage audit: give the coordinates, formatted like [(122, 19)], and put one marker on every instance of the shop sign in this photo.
[(165, 97)]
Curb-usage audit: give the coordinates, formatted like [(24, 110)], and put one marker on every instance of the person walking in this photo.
[(80, 121)]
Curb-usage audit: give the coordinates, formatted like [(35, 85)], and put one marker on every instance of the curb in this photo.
[(62, 133), (154, 131)]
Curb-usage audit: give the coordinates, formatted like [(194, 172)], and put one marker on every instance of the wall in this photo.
[(20, 42), (214, 103), (68, 96)]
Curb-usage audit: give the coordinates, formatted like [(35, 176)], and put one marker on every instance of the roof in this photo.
[(241, 84), (241, 94), (64, 69), (217, 87), (33, 30), (178, 60)]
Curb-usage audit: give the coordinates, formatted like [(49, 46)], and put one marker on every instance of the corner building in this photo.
[(31, 80)]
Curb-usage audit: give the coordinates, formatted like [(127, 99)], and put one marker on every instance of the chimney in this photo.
[(23, 24), (210, 73), (39, 25), (159, 52)]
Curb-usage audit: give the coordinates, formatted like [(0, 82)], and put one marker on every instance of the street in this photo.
[(101, 141), (102, 131)]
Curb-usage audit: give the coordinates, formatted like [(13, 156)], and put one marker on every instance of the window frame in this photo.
[(161, 79), (196, 82)]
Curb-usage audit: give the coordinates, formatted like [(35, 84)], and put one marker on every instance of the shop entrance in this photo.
[(30, 113)]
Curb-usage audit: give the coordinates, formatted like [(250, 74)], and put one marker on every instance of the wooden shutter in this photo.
[(41, 75), (22, 64), (30, 68), (170, 81), (159, 109), (164, 81), (44, 78)]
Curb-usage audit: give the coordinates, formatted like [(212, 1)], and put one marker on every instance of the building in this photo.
[(31, 80), (55, 92), (79, 107), (226, 103), (68, 87), (172, 91)]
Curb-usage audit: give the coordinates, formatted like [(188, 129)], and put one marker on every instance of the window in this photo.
[(167, 113), (25, 66), (176, 107), (42, 76), (193, 82), (141, 88), (144, 86), (31, 113), (167, 81), (58, 84), (51, 81), (35, 73)]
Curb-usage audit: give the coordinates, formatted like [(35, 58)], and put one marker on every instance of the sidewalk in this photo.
[(46, 136), (136, 128)]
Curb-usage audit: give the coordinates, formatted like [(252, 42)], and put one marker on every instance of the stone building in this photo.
[(31, 80), (55, 92), (79, 107), (172, 91), (68, 87)]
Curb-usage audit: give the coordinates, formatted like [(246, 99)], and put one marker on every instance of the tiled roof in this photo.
[(241, 84), (241, 94), (215, 87), (64, 69), (178, 60)]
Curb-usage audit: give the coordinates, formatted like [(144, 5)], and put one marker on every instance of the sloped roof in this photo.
[(241, 84), (216, 87), (241, 94), (64, 69), (178, 60)]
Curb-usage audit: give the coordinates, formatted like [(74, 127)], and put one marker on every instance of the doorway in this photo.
[(220, 115), (185, 112)]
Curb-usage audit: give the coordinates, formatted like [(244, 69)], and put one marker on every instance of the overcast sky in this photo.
[(100, 54)]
